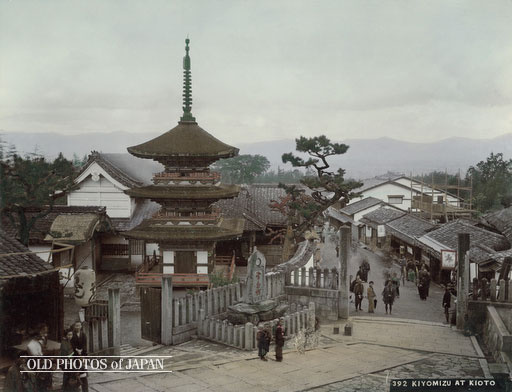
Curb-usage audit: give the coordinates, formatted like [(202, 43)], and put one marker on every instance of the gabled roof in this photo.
[(186, 139), (77, 228), (125, 168), (446, 236), (43, 225), (18, 264), (382, 215), (361, 205)]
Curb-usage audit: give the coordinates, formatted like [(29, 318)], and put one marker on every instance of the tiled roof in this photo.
[(73, 228), (360, 205), (382, 215), (144, 209), (378, 180), (335, 214), (186, 139), (18, 264), (43, 225), (502, 221), (410, 226), (253, 205), (125, 168), (446, 236)]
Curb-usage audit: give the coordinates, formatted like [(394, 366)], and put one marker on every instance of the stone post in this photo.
[(343, 284), (493, 290), (509, 299), (475, 289), (183, 312), (176, 312), (311, 315), (200, 322), (311, 277), (190, 308), (166, 322), (209, 302), (296, 277), (114, 320), (462, 278), (248, 336)]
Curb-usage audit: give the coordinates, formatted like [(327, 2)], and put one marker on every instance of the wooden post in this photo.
[(167, 300), (343, 285), (462, 278), (114, 320)]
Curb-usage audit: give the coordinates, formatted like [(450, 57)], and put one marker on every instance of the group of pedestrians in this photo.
[(74, 343), (418, 274), (264, 337)]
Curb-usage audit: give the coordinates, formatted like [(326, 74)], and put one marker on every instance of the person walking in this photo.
[(388, 296), (371, 298), (279, 336), (411, 271), (365, 268), (403, 271), (447, 297), (358, 293)]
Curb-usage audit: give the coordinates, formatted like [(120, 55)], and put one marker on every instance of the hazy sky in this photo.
[(261, 70)]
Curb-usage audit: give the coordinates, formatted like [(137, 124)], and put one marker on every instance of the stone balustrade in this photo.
[(313, 277), (492, 291)]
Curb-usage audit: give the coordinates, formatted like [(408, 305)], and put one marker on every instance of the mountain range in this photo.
[(365, 157)]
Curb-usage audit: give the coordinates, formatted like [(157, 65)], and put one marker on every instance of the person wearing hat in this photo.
[(371, 298)]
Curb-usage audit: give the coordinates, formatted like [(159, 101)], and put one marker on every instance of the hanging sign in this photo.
[(448, 259)]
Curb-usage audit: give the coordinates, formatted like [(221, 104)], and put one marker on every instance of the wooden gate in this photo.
[(151, 313)]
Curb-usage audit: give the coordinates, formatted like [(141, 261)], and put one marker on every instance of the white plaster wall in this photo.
[(150, 247), (202, 262), (168, 258), (106, 192), (453, 201), (42, 248), (383, 191)]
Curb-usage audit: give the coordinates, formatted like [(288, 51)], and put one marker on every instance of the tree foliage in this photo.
[(242, 169), (32, 183), (492, 183), (326, 187)]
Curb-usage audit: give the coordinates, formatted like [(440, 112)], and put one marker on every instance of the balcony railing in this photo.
[(192, 177), (193, 219)]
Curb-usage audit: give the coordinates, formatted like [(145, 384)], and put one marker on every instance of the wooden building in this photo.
[(187, 226), (30, 294)]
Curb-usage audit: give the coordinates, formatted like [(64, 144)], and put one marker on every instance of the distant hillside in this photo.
[(365, 158)]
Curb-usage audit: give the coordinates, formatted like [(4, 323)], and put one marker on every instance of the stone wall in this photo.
[(325, 300), (496, 335)]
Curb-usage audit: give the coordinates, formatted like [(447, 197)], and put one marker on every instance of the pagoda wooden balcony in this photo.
[(192, 177), (210, 218), (178, 280), (148, 275)]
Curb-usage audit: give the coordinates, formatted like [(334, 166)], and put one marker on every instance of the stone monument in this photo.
[(255, 306)]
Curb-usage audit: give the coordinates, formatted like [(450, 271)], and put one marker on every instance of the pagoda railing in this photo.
[(192, 177), (178, 280), (211, 217)]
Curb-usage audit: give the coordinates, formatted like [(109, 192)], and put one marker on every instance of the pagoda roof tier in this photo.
[(150, 230), (185, 192), (185, 140)]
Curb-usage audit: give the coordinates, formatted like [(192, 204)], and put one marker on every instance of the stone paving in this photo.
[(377, 349)]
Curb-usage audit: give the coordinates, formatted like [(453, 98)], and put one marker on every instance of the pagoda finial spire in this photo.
[(187, 86)]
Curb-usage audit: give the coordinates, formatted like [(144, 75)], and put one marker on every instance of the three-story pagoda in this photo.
[(186, 227)]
